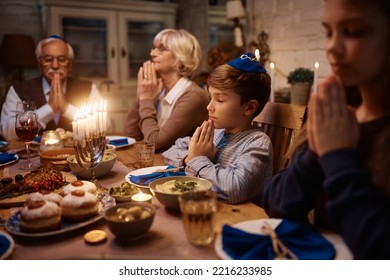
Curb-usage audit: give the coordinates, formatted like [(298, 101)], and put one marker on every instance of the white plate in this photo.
[(130, 141), (11, 161), (7, 245), (254, 226), (142, 171), (13, 223)]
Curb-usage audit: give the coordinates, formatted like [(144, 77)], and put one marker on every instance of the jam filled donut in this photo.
[(85, 186), (40, 215), (79, 205)]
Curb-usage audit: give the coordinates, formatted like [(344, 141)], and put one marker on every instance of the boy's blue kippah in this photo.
[(247, 63)]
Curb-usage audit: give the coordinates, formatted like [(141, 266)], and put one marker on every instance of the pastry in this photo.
[(79, 205), (85, 186), (40, 215)]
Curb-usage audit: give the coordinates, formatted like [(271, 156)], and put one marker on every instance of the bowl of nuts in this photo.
[(130, 219)]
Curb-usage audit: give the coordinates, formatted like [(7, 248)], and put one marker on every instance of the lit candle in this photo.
[(81, 131), (142, 197), (272, 96), (100, 116), (316, 66), (74, 128), (105, 116), (257, 54)]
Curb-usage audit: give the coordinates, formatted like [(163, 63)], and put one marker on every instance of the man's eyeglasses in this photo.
[(160, 49), (48, 59)]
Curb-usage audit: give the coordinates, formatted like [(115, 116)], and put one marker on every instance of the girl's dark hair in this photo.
[(250, 86)]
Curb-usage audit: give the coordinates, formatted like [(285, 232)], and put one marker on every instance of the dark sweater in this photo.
[(77, 92), (349, 190)]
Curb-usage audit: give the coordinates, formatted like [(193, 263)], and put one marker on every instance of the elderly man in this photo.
[(56, 96)]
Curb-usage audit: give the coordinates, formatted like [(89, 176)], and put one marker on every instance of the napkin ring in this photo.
[(280, 250)]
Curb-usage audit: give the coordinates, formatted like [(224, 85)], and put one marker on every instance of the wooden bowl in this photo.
[(130, 229)]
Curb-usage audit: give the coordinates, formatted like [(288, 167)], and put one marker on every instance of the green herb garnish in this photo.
[(184, 186)]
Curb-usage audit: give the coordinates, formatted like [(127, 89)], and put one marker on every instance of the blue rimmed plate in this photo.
[(7, 245), (13, 223)]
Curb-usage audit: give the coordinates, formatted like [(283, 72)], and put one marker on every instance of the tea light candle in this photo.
[(142, 197), (51, 141)]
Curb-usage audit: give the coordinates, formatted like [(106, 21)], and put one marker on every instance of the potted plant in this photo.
[(301, 80)]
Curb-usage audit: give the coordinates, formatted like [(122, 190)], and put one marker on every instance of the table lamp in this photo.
[(235, 11), (18, 50)]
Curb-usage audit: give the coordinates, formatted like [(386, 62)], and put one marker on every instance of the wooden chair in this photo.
[(281, 122)]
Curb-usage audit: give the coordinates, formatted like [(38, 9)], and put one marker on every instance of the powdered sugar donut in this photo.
[(79, 205), (53, 197), (85, 186), (35, 196), (40, 215)]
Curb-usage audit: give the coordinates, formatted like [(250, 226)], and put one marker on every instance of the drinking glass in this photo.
[(144, 151), (198, 212), (26, 128), (25, 106)]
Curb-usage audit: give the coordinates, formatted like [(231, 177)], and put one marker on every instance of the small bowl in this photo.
[(110, 148), (102, 169), (124, 192), (170, 200), (130, 229)]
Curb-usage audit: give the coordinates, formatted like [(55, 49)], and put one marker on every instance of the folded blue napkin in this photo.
[(147, 178), (119, 142), (4, 245), (303, 240), (6, 157), (38, 139)]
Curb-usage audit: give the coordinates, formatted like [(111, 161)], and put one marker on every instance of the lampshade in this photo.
[(17, 49), (234, 9)]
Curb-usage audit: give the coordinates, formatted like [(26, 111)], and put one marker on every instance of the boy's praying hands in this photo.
[(201, 143)]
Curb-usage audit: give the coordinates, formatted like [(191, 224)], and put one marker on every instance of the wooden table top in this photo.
[(165, 240)]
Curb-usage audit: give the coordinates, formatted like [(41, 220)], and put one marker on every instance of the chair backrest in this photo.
[(281, 122)]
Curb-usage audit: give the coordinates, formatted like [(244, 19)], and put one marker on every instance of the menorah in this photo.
[(89, 138)]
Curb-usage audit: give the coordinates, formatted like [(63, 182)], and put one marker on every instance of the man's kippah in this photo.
[(56, 36), (247, 63)]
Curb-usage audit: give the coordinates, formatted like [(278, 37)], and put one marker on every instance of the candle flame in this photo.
[(316, 65), (272, 65)]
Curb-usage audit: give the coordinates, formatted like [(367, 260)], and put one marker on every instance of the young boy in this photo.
[(227, 150)]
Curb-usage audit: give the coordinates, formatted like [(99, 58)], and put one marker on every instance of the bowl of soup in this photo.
[(168, 189)]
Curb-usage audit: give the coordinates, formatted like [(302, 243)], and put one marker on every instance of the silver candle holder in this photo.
[(89, 153), (89, 137)]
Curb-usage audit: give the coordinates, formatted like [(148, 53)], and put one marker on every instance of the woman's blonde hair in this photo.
[(184, 46)]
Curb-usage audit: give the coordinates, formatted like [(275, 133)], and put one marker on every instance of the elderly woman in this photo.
[(169, 105)]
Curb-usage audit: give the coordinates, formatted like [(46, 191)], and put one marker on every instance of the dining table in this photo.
[(166, 239)]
